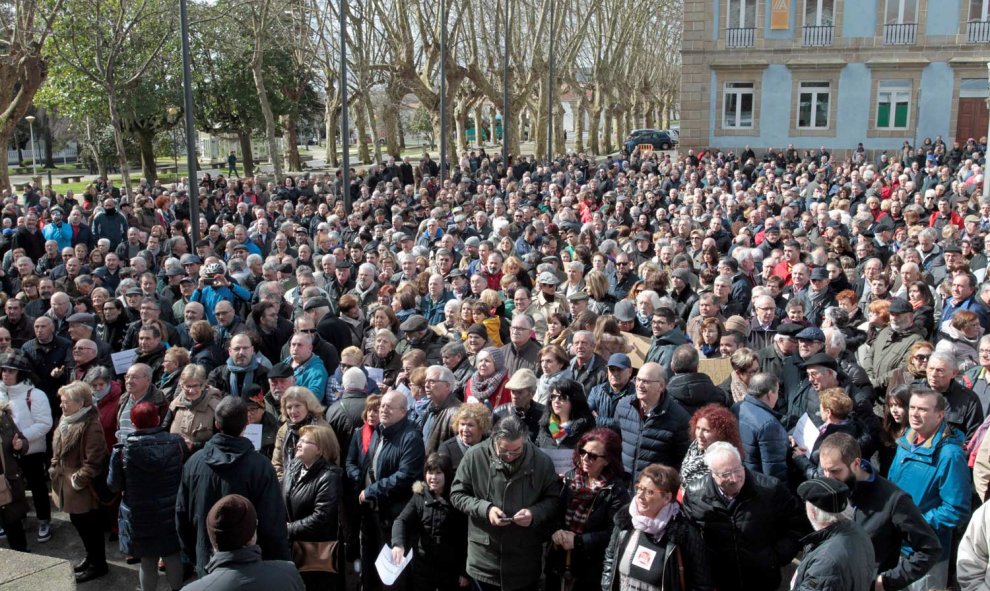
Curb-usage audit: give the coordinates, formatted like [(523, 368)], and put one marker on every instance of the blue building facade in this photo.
[(833, 73)]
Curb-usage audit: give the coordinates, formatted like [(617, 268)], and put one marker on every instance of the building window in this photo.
[(819, 23), (737, 101), (740, 29), (813, 105), (979, 21), (893, 104), (900, 22)]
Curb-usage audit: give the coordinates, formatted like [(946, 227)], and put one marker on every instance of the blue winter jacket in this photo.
[(433, 311), (661, 437), (937, 477), (604, 403), (312, 375), (763, 438), (209, 296), (61, 234)]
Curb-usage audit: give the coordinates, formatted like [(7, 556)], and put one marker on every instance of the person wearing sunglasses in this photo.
[(592, 493), (566, 418)]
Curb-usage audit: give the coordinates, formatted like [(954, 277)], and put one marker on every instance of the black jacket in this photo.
[(312, 500), (344, 416), (893, 521), (400, 464), (659, 437), (681, 537), (430, 525), (754, 537), (229, 465), (147, 467), (589, 545), (837, 558), (694, 390)]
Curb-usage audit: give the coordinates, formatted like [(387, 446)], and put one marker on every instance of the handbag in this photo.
[(6, 495), (320, 557)]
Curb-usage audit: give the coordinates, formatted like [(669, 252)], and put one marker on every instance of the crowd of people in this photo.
[(508, 374)]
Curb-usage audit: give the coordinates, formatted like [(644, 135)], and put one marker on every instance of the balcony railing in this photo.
[(740, 37), (900, 33), (979, 31), (819, 36)]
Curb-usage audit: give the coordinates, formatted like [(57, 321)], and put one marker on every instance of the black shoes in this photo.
[(82, 566), (92, 572)]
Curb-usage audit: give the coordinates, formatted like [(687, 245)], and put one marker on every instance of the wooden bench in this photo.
[(70, 179)]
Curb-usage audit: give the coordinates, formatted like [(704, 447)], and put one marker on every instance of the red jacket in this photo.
[(108, 414)]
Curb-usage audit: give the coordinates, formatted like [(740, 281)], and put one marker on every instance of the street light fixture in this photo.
[(34, 154)]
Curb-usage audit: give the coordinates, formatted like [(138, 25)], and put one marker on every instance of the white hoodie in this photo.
[(34, 420)]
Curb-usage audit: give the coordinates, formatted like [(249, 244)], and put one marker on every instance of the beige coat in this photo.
[(79, 451), (195, 424), (283, 454)]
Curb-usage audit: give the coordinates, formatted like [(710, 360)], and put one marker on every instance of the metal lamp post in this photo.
[(443, 91), (187, 105), (345, 131), (986, 161), (34, 154), (550, 89), (505, 92)]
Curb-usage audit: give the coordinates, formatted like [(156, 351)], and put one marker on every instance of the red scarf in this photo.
[(366, 432)]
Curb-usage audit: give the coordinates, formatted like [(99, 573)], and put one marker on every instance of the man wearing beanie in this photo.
[(228, 464), (838, 554), (237, 563)]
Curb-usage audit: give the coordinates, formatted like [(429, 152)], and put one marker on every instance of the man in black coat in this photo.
[(886, 512), (228, 464), (690, 387), (750, 522)]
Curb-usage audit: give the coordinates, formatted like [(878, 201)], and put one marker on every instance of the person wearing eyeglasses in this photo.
[(566, 418), (510, 492), (752, 525), (593, 492), (654, 545), (192, 412), (654, 426)]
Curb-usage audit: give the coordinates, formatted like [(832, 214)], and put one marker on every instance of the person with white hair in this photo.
[(733, 504), (839, 554)]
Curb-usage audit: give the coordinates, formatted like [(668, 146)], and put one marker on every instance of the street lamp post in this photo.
[(505, 91), (443, 91), (550, 89), (34, 154), (345, 131), (986, 161), (187, 105)]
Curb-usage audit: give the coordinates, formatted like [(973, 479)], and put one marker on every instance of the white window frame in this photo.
[(816, 89), (902, 7), (738, 90), (741, 16), (817, 7), (984, 15), (896, 91)]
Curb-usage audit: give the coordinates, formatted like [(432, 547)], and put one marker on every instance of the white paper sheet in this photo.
[(563, 459), (388, 570), (375, 374), (805, 432), (123, 360), (253, 432)]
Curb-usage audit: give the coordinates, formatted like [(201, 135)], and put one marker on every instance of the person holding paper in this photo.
[(434, 529)]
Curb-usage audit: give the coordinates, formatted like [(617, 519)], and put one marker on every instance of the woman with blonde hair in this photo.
[(961, 339), (175, 359), (312, 491), (192, 412), (745, 364), (600, 302), (299, 408), (79, 454)]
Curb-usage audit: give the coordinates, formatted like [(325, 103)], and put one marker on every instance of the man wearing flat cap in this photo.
[(838, 555), (891, 345)]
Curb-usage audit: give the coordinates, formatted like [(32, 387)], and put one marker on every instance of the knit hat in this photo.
[(478, 330), (827, 494), (231, 523), (497, 356), (738, 324)]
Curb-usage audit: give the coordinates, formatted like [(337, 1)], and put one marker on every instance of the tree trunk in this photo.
[(559, 141), (101, 169), (149, 169), (595, 128), (492, 124), (460, 145), (118, 140), (364, 155), (290, 136), (607, 132), (540, 133), (247, 152), (369, 109), (266, 111), (390, 118), (331, 118), (479, 125)]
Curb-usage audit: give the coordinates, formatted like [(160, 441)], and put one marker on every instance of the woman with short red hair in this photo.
[(711, 423)]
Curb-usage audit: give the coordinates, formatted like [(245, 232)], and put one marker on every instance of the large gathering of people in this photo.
[(648, 372)]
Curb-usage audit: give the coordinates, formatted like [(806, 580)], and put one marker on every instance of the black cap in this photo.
[(281, 370), (900, 306), (822, 360), (414, 323), (819, 274), (791, 329), (317, 302), (827, 494), (952, 247)]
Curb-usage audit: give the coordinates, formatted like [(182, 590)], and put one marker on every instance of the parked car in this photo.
[(660, 139)]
